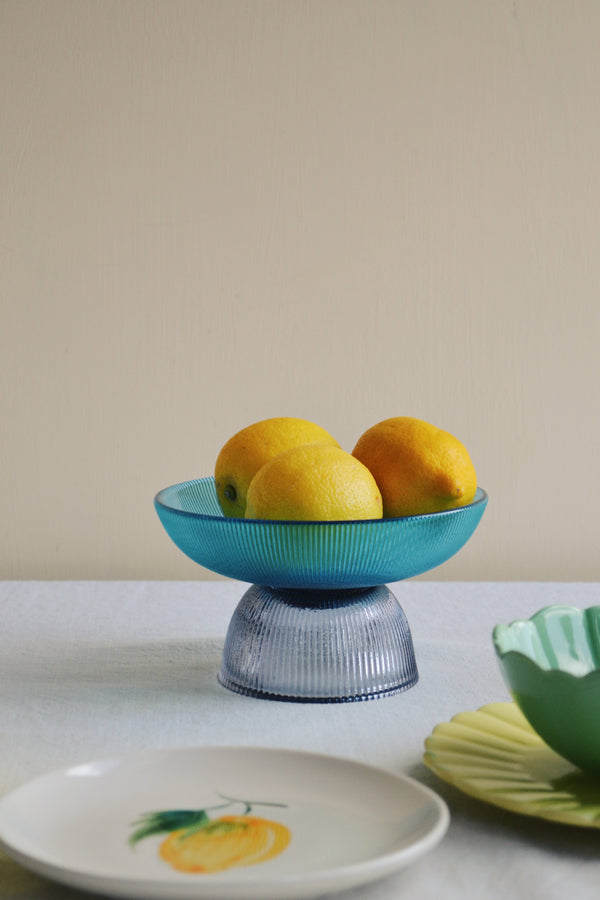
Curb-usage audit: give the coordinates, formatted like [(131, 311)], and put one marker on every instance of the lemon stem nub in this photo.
[(230, 492)]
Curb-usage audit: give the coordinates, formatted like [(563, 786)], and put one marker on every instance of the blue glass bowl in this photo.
[(311, 555), (318, 623)]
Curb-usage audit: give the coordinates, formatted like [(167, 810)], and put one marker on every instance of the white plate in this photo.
[(348, 823)]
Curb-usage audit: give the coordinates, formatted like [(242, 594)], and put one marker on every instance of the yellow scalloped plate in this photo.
[(493, 754)]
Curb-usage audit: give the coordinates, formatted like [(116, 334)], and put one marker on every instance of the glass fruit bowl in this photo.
[(318, 623)]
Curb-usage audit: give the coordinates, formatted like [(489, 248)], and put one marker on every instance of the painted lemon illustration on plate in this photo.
[(197, 843)]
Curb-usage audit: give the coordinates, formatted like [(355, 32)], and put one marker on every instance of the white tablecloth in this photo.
[(91, 669)]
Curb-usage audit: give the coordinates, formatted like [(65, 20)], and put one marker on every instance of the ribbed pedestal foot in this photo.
[(310, 646)]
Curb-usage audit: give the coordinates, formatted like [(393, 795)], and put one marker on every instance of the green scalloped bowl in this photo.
[(551, 665)]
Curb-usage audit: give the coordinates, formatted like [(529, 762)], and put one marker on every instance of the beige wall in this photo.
[(213, 212)]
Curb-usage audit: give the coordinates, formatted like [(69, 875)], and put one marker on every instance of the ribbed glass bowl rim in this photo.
[(504, 652), (481, 498)]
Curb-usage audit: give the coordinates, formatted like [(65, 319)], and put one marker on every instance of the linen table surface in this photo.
[(92, 669)]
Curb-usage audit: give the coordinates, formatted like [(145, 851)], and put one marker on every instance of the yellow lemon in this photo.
[(316, 482), (418, 468), (224, 843), (249, 449)]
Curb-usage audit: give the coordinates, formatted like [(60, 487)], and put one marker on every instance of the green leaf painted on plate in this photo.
[(166, 821), (189, 821)]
